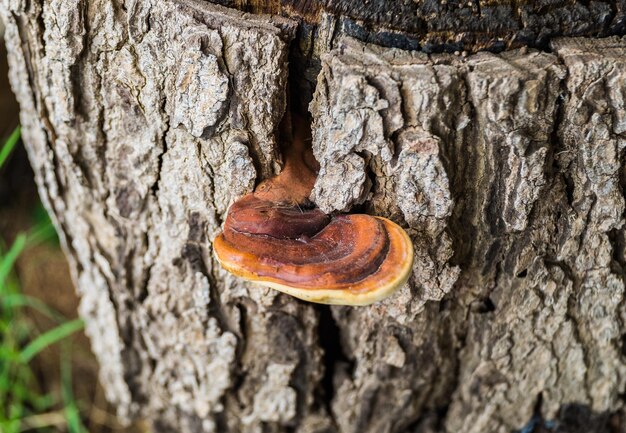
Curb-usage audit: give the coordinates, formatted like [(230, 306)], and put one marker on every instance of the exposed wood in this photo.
[(145, 119), (449, 25)]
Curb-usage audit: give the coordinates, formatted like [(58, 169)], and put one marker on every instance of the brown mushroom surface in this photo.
[(274, 236)]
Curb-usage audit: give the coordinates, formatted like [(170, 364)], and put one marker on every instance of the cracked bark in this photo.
[(144, 120)]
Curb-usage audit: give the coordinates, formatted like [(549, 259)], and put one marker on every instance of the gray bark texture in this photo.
[(144, 120)]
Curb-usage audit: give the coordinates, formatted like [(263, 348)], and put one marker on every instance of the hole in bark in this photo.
[(616, 239), (569, 189), (522, 274), (444, 305), (483, 306)]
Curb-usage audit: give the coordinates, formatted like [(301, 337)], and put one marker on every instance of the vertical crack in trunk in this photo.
[(329, 338)]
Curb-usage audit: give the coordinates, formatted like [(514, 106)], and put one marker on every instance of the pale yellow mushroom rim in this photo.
[(348, 296)]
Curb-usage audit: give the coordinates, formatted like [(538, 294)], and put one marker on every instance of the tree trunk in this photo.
[(145, 119)]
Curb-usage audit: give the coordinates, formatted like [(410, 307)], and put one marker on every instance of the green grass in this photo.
[(9, 145), (24, 406)]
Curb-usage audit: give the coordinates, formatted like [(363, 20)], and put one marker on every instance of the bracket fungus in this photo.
[(276, 237)]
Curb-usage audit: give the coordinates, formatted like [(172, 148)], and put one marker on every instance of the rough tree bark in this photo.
[(145, 119)]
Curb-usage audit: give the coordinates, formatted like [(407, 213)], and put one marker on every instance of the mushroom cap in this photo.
[(351, 260), (261, 217), (273, 238)]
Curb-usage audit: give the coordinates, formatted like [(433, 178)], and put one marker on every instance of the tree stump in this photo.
[(144, 120)]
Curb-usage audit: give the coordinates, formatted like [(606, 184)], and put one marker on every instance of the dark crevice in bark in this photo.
[(557, 147), (483, 306), (126, 260), (455, 346), (617, 239), (242, 338), (329, 338), (287, 345), (100, 151), (610, 19), (382, 37), (302, 74), (163, 145), (75, 82), (304, 68), (38, 101), (132, 347), (569, 188), (134, 365), (464, 226), (192, 252), (578, 324), (143, 292), (81, 59), (221, 422), (555, 144), (618, 26), (565, 268)]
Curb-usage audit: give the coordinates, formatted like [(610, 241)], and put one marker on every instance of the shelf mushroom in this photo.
[(277, 238)]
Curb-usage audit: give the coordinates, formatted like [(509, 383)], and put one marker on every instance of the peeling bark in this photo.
[(145, 119)]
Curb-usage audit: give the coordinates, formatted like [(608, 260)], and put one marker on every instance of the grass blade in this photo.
[(72, 414), (40, 233), (8, 260), (10, 144), (17, 300), (50, 337)]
